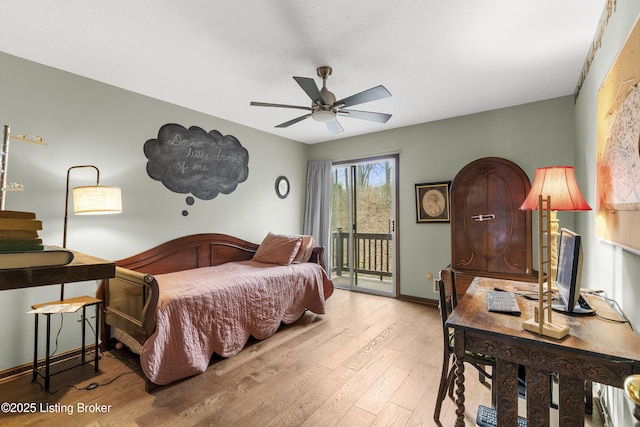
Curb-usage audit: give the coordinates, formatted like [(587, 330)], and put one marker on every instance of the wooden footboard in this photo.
[(131, 297)]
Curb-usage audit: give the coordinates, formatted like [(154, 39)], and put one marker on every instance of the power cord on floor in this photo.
[(92, 385)]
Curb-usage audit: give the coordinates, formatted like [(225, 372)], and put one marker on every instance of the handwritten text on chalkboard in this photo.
[(194, 161)]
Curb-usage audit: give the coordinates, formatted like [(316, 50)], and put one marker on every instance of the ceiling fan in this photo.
[(325, 108)]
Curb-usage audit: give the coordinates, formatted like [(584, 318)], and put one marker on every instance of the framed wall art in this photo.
[(432, 202), (618, 155)]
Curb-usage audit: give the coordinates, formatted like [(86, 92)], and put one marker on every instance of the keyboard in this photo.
[(503, 302), (488, 417)]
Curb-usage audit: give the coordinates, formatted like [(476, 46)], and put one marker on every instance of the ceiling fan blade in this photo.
[(366, 115), (368, 95), (310, 88), (267, 104), (334, 127), (293, 121)]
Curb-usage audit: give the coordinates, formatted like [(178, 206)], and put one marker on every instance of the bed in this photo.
[(180, 302)]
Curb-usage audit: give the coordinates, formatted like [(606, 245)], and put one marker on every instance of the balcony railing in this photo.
[(374, 253)]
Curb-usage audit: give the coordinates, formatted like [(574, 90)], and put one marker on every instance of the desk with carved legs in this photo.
[(595, 350)]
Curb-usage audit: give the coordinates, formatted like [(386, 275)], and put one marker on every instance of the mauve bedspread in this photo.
[(215, 309)]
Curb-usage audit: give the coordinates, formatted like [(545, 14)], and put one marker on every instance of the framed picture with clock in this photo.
[(432, 202)]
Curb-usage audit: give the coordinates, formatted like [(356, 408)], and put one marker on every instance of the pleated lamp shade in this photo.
[(560, 183)]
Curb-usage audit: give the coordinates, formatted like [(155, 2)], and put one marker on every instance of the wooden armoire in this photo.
[(490, 235)]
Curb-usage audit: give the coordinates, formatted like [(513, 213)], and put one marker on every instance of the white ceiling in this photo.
[(438, 58)]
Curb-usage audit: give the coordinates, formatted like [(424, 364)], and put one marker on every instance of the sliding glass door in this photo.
[(364, 225)]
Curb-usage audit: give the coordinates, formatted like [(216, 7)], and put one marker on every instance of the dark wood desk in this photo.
[(82, 268), (596, 350)]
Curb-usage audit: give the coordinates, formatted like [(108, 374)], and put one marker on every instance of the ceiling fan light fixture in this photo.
[(323, 116)]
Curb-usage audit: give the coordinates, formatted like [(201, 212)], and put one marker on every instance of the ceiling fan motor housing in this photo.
[(328, 97)]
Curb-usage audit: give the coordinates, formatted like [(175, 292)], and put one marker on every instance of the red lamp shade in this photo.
[(560, 183)]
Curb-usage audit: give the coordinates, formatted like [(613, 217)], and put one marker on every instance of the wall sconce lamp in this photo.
[(560, 184), (90, 200), (554, 188)]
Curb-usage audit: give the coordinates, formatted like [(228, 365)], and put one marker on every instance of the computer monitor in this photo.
[(569, 273)]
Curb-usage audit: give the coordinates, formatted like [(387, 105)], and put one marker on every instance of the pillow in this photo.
[(306, 248), (278, 249)]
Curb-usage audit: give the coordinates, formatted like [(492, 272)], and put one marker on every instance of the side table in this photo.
[(85, 302)]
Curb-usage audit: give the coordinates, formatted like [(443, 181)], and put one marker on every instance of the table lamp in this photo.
[(554, 188), (559, 183), (90, 200)]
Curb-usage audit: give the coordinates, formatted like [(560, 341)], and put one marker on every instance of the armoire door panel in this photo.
[(489, 231)]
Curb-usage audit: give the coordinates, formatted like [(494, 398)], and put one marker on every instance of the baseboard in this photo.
[(28, 367), (419, 300)]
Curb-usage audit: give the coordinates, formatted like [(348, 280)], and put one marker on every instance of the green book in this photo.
[(13, 245), (50, 256)]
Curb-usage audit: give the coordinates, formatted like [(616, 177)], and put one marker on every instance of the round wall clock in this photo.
[(282, 187)]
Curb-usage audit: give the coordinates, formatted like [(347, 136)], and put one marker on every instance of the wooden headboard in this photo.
[(188, 252), (198, 250)]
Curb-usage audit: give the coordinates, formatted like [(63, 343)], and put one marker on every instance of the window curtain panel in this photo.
[(317, 217)]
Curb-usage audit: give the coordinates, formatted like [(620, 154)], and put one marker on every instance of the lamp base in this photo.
[(548, 329)]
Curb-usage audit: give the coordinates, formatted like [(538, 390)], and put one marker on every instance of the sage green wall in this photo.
[(89, 122), (531, 135), (86, 122), (606, 266)]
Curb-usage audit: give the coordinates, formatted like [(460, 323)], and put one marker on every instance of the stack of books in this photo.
[(20, 246), (19, 232)]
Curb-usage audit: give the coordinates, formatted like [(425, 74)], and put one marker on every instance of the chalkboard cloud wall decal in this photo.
[(194, 161)]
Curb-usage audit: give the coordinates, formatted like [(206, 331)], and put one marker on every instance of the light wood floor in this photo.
[(370, 361)]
